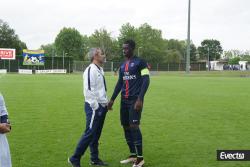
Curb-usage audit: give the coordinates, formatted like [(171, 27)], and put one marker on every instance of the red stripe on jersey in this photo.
[(127, 84)]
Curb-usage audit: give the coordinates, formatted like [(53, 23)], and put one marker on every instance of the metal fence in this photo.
[(79, 66)]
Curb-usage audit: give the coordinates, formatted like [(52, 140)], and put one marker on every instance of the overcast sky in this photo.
[(38, 22)]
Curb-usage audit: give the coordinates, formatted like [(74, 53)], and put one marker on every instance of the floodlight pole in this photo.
[(188, 40)]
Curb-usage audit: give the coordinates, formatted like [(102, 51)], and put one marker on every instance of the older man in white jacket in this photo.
[(5, 160), (95, 108)]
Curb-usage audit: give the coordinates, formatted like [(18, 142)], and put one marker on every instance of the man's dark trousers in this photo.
[(94, 124)]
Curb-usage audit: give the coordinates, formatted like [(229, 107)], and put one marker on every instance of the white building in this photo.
[(244, 65), (217, 65)]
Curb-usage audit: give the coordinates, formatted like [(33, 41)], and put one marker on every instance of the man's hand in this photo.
[(5, 128), (138, 105), (110, 104)]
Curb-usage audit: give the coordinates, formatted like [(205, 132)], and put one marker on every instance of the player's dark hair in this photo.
[(131, 43)]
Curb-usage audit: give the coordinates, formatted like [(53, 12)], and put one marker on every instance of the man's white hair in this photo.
[(92, 53)]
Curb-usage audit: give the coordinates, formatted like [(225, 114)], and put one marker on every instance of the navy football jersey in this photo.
[(130, 74)]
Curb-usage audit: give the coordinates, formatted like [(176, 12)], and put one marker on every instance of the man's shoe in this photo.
[(139, 162), (73, 164), (98, 162), (130, 159)]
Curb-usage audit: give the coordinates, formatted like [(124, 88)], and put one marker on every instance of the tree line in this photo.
[(150, 44)]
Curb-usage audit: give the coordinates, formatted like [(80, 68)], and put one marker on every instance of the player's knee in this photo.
[(134, 126), (126, 127)]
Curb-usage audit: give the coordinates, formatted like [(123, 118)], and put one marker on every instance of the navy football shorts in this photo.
[(128, 115)]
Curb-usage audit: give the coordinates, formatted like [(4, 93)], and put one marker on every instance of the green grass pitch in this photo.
[(185, 120)]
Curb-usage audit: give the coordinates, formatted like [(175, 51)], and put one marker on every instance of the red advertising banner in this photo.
[(9, 54)]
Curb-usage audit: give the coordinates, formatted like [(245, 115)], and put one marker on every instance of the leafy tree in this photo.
[(151, 42), (127, 31), (244, 55), (246, 58), (84, 47), (69, 42), (175, 51), (213, 47), (49, 49), (102, 39), (116, 51), (174, 46), (8, 38), (173, 56), (193, 53), (148, 40), (232, 53), (234, 61)]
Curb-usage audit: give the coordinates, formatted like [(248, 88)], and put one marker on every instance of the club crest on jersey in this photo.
[(132, 64)]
